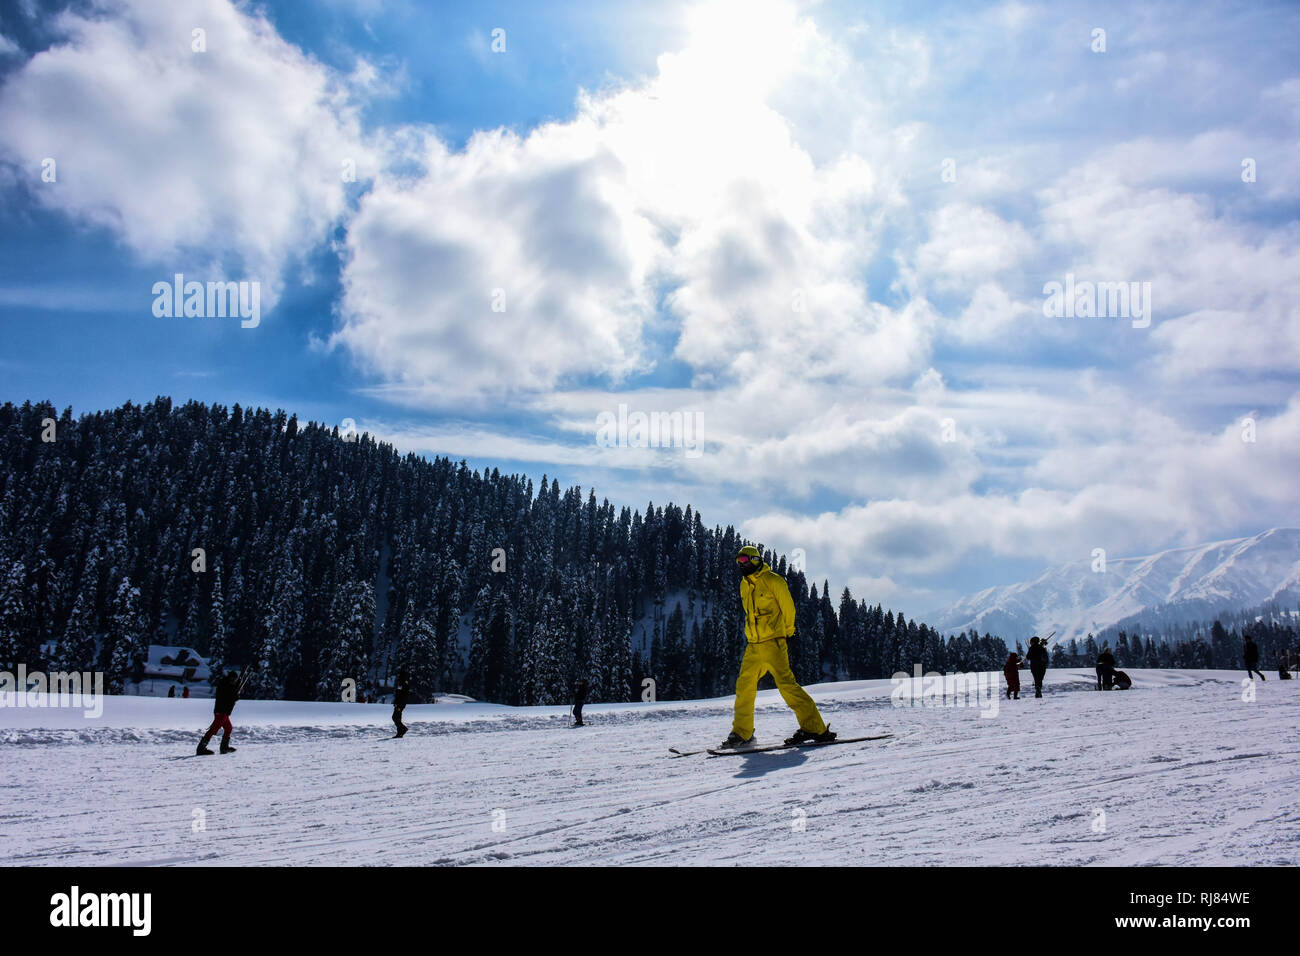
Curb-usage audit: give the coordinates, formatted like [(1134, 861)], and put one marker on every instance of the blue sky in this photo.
[(820, 230)]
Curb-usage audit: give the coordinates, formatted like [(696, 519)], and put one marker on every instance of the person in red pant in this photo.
[(227, 694), (1011, 670)]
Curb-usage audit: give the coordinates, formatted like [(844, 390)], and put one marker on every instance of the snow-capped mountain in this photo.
[(1184, 583)]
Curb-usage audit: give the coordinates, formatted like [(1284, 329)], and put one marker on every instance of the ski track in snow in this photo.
[(1184, 770)]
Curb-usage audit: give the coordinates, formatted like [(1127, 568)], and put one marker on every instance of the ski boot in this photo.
[(203, 750), (802, 736), (226, 748), (734, 740), (401, 731)]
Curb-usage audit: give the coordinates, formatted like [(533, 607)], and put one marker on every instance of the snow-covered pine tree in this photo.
[(420, 656), (655, 663), (13, 616), (280, 655), (216, 642), (76, 650), (676, 678), (933, 658), (448, 658), (190, 632), (828, 649), (1121, 649), (501, 675), (489, 648), (848, 638), (124, 643), (352, 618), (551, 655)]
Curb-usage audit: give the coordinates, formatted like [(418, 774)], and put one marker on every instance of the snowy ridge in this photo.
[(1185, 583)]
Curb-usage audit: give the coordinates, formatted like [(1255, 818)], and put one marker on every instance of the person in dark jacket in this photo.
[(227, 694), (1105, 668), (1283, 672), (1251, 652), (1037, 657), (579, 698), (1011, 670), (400, 699)]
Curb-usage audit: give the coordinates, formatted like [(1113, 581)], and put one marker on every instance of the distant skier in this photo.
[(1105, 668), (579, 698), (1251, 653), (400, 697), (227, 693), (171, 691), (1011, 671), (1283, 673), (185, 694), (769, 622), (1037, 657)]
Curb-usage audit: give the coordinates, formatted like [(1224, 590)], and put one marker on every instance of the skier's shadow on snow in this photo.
[(759, 765)]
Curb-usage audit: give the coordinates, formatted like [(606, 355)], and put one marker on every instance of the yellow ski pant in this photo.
[(772, 657)]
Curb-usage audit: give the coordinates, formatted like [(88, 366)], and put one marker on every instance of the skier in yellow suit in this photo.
[(769, 620)]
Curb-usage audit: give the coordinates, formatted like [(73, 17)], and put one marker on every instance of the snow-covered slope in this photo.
[(1181, 770), (1186, 583)]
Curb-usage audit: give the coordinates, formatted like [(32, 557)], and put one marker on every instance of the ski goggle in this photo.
[(746, 558)]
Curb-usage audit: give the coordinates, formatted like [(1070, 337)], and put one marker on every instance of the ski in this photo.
[(679, 752), (683, 752), (715, 752), (188, 756)]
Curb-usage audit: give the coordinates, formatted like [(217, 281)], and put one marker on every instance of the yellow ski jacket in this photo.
[(769, 609)]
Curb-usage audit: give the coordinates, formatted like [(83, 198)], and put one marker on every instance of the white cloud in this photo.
[(969, 244), (1223, 291), (689, 183), (1150, 484), (510, 266), (991, 314), (226, 158)]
